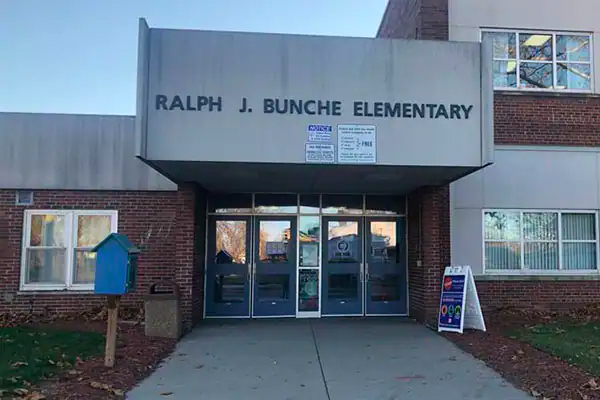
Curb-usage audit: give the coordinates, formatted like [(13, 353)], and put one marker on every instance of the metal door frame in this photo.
[(298, 214), (249, 248), (255, 227), (344, 217), (398, 219)]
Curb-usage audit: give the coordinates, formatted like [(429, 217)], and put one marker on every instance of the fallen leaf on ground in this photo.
[(98, 385), (591, 384), (18, 364), (535, 393), (199, 366), (166, 393), (20, 391), (35, 396)]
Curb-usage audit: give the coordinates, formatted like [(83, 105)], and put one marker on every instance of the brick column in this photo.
[(428, 250), (434, 20), (185, 262)]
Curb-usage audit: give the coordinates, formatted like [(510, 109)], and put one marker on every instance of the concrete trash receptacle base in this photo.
[(162, 312)]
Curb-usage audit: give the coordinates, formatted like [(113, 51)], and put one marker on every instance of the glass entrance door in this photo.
[(385, 267), (342, 285), (228, 267), (274, 274)]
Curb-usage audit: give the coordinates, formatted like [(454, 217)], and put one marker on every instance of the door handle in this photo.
[(367, 272)]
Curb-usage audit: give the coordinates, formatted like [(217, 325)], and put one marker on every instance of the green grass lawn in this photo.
[(28, 355), (579, 344)]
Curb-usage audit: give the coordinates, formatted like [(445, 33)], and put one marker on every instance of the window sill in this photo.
[(592, 276), (55, 290), (545, 93)]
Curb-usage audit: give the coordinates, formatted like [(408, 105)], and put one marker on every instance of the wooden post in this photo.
[(111, 330)]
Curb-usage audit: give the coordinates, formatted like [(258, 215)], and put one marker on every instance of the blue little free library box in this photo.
[(116, 265)]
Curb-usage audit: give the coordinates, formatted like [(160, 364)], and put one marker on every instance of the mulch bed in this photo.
[(538, 373), (136, 357)]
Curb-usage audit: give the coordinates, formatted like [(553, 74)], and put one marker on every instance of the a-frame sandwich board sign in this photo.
[(459, 302)]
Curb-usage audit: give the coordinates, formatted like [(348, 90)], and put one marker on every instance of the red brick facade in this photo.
[(545, 119), (544, 295), (415, 19), (401, 20), (163, 222), (428, 232)]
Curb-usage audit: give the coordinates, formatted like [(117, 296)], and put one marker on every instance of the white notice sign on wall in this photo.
[(320, 153), (357, 144)]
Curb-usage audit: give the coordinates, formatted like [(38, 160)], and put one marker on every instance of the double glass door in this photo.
[(251, 266), (364, 266)]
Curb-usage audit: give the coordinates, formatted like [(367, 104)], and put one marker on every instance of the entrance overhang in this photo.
[(237, 111), (298, 178)]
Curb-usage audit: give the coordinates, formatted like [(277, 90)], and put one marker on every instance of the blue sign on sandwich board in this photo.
[(459, 302), (451, 308)]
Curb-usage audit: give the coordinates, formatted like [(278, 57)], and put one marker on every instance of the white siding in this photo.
[(78, 152), (521, 178)]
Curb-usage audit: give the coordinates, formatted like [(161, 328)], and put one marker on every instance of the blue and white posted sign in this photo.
[(319, 133), (459, 302)]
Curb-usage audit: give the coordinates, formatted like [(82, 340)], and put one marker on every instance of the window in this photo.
[(541, 60), (540, 241), (56, 248), (24, 198)]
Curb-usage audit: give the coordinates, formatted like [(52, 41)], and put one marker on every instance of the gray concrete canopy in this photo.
[(237, 111)]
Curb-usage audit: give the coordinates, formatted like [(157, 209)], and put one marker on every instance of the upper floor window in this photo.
[(541, 60)]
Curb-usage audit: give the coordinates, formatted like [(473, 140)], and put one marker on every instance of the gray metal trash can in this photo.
[(162, 311)]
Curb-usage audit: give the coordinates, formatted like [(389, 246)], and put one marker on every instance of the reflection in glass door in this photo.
[(274, 266), (385, 267), (342, 266), (227, 269), (309, 234)]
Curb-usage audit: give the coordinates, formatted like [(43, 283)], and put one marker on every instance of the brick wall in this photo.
[(162, 221), (544, 295), (546, 120), (415, 19), (428, 242), (434, 19), (401, 20), (521, 118)]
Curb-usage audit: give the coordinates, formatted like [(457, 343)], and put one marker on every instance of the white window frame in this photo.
[(553, 62), (71, 227), (522, 241)]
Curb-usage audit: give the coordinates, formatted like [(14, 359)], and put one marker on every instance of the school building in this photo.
[(274, 175)]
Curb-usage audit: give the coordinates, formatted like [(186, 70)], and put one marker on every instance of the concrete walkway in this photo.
[(343, 359)]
